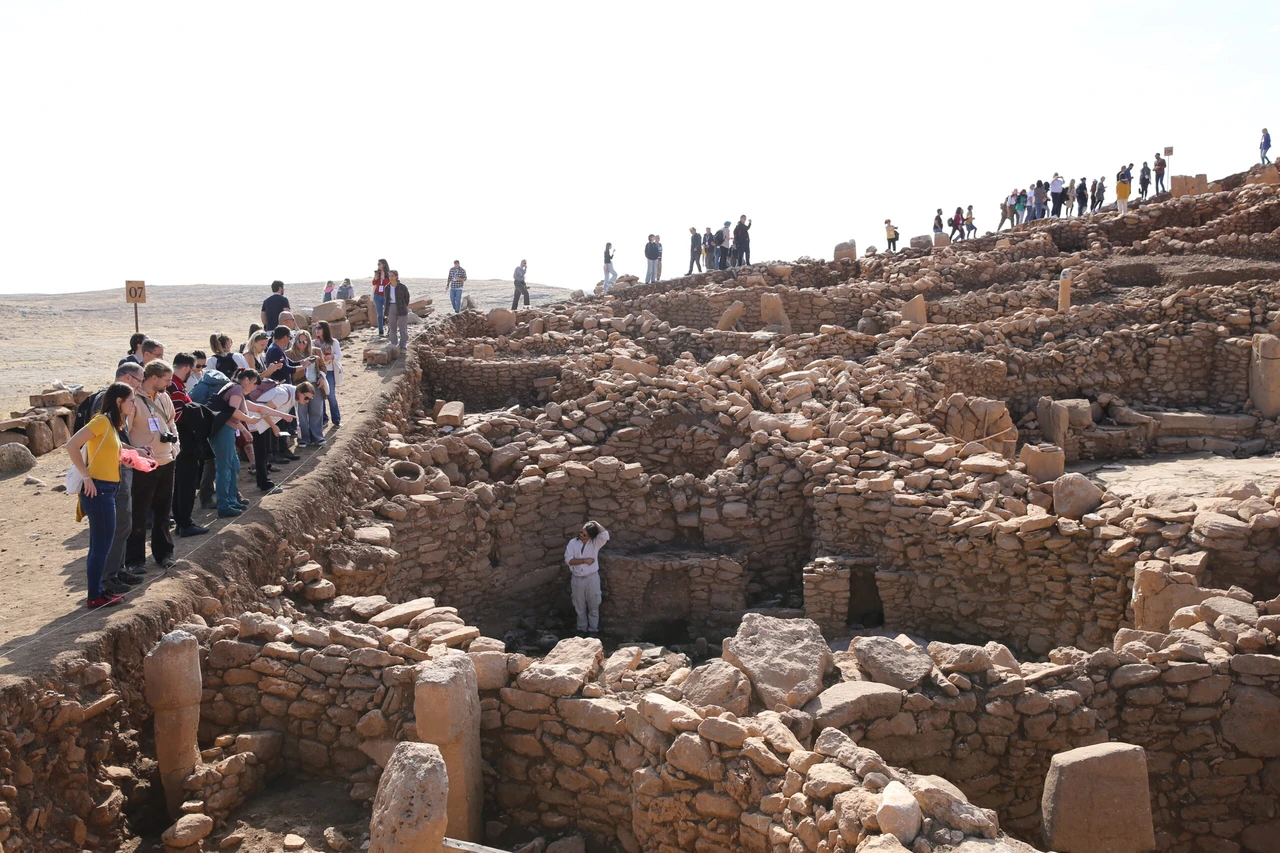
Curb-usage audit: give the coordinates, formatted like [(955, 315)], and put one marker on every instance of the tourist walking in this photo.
[(742, 241), (610, 275), (937, 222), (95, 454), (651, 260), (331, 351), (695, 250), (1008, 210), (1144, 180), (957, 224), (582, 556), (1159, 168), (521, 288), (969, 228), (1082, 196), (273, 305), (1020, 207), (152, 425), (457, 278), (381, 278), (1264, 146), (890, 236)]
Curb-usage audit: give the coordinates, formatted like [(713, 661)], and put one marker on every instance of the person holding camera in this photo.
[(153, 425)]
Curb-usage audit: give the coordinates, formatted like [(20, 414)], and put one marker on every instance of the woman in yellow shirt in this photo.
[(100, 441)]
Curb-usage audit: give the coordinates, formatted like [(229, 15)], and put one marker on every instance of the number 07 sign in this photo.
[(135, 292)]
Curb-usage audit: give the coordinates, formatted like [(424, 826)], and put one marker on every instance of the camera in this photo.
[(168, 437)]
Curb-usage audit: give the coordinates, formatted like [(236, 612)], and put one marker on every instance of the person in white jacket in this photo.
[(332, 352), (581, 556)]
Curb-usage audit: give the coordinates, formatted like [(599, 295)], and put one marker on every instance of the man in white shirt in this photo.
[(580, 554), (1055, 192), (273, 405)]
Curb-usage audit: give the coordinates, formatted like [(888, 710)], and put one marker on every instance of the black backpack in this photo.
[(195, 428), (226, 363), (718, 238), (89, 407)]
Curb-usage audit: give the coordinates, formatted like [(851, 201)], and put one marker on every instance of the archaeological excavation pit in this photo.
[(858, 596)]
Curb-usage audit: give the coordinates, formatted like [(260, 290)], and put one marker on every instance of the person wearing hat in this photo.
[(581, 555), (726, 245)]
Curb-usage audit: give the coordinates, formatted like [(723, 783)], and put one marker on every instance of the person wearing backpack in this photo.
[(278, 399), (1082, 196), (717, 242), (231, 411), (95, 455), (890, 237), (726, 245)]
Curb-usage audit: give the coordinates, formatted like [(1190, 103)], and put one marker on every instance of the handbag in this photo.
[(74, 479)]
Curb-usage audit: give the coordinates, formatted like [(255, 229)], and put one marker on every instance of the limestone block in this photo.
[(410, 810), (329, 312), (784, 658), (1252, 724), (1045, 462), (1264, 375), (172, 685), (340, 329), (899, 813), (854, 701), (731, 316), (451, 414), (915, 311), (1096, 800), (941, 240), (502, 321), (634, 367), (924, 241), (1074, 495), (773, 315), (847, 249), (446, 705), (1054, 421), (720, 683), (890, 663), (15, 457), (1064, 291)]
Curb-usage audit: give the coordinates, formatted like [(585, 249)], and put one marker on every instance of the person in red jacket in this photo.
[(381, 281)]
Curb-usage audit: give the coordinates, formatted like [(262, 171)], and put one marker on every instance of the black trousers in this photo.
[(152, 490), (262, 443), (695, 259), (522, 289), (187, 469), (744, 254)]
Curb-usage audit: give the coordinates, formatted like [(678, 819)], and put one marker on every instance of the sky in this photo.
[(188, 143)]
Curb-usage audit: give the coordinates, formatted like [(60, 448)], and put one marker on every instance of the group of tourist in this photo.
[(721, 249), (391, 301)]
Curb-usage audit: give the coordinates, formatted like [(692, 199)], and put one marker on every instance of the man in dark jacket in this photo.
[(695, 251), (651, 256), (400, 314), (742, 242)]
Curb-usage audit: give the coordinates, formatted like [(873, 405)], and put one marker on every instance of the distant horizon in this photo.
[(266, 286)]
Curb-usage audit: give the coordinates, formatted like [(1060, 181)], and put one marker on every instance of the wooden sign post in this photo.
[(1168, 155), (135, 293)]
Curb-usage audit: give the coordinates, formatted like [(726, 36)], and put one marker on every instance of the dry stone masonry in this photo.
[(854, 600)]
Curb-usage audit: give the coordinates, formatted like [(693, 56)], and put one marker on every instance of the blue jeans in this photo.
[(651, 273), (101, 510), (310, 417), (380, 302), (455, 299), (334, 414), (227, 469)]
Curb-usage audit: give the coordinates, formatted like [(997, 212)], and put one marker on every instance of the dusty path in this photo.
[(42, 547)]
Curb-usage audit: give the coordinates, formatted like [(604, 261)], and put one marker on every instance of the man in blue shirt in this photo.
[(457, 278), (273, 305)]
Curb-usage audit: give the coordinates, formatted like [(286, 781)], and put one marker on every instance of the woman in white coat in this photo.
[(332, 352)]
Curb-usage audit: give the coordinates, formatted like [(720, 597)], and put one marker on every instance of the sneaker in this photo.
[(129, 578), (293, 457), (271, 469), (230, 513), (336, 424), (302, 444), (193, 530), (136, 568), (105, 600), (167, 563), (114, 587)]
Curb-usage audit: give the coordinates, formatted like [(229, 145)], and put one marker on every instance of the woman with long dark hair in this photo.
[(232, 415), (101, 474), (381, 281), (331, 351)]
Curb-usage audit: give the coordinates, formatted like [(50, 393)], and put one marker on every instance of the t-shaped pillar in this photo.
[(172, 674)]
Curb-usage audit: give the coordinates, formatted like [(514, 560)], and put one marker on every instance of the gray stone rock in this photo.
[(718, 682), (1074, 495), (854, 701), (15, 457), (1252, 724), (784, 658), (889, 663)]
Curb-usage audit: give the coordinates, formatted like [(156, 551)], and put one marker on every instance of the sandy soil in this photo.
[(1186, 474), (79, 337), (42, 547)]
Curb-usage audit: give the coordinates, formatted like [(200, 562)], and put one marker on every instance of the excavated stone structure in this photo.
[(855, 599)]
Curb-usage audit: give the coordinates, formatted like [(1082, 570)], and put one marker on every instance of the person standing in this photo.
[(521, 288), (331, 351), (1264, 146), (610, 275), (152, 425), (1009, 210), (280, 399), (135, 349), (1122, 191), (742, 241), (726, 245), (1082, 196), (457, 278), (651, 260), (1159, 170), (230, 405), (273, 305), (399, 319), (381, 279), (193, 447), (345, 290), (1102, 193), (708, 249), (890, 236), (717, 242), (328, 292), (1144, 180), (582, 556), (100, 439), (657, 238), (1055, 193), (695, 251), (937, 222)]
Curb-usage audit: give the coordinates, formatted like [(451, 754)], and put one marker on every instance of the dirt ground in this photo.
[(42, 547), (1187, 474)]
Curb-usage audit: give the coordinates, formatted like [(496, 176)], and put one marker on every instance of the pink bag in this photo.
[(130, 458)]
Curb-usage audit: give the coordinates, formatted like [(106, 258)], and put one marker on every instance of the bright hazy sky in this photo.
[(233, 142)]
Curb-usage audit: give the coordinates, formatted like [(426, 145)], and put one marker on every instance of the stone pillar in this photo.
[(1264, 375), (1064, 291), (773, 315), (1097, 800), (915, 311), (446, 704), (172, 676), (1045, 462), (729, 319), (410, 810)]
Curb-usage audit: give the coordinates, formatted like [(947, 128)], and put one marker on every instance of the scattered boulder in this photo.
[(889, 663), (784, 658), (1074, 495), (15, 457), (718, 682)]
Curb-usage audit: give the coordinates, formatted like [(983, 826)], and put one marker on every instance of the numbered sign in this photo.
[(135, 292), (1168, 151)]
